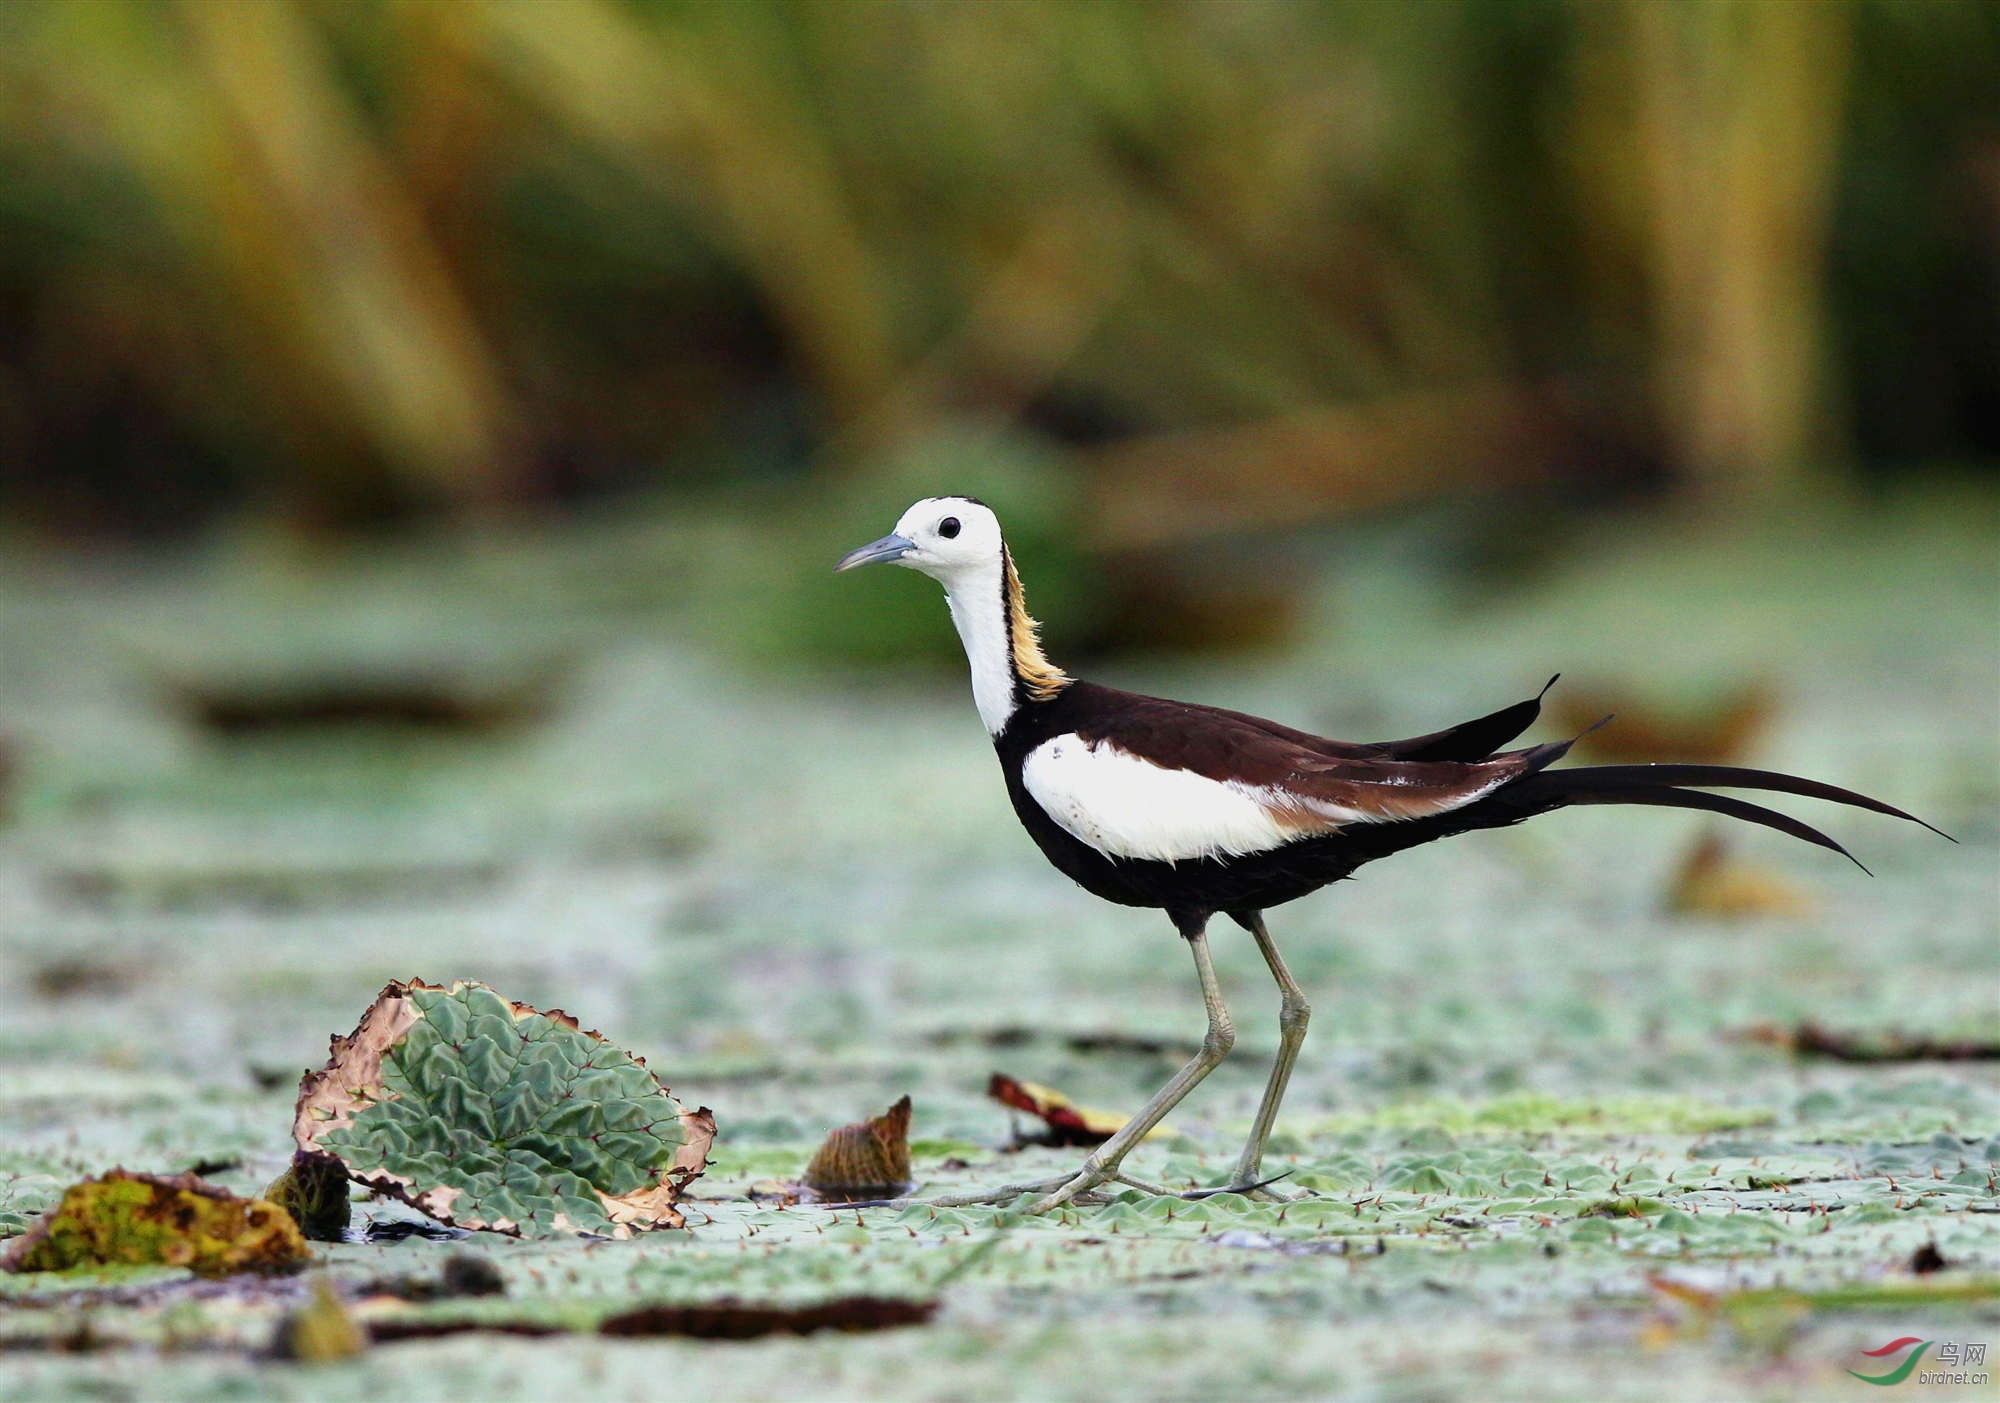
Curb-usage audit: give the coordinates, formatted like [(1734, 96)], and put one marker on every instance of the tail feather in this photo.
[(1645, 778), (1671, 798), (1683, 787)]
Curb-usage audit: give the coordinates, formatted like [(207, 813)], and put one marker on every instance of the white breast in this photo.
[(1128, 807)]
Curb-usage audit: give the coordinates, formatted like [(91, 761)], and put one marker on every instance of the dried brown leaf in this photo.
[(870, 1159), (733, 1320), (1067, 1122), (1720, 732), (1811, 1040), (1711, 883)]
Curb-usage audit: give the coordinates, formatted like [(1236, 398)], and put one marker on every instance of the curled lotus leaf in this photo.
[(489, 1114), (870, 1159)]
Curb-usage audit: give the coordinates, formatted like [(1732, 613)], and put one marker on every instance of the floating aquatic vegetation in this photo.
[(133, 1219), (489, 1114), (870, 1159), (23, 1198)]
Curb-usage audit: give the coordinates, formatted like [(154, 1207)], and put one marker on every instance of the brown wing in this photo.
[(1472, 740), (1477, 739), (1304, 787)]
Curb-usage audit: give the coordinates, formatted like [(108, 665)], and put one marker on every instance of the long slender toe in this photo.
[(1006, 1193), (1260, 1190)]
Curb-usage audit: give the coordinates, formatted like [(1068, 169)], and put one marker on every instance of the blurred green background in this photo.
[(1221, 266)]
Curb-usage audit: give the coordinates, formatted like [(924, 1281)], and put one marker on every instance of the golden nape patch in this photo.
[(1042, 678)]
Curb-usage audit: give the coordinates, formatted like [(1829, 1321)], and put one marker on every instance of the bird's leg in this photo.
[(1103, 1162), (1293, 1015)]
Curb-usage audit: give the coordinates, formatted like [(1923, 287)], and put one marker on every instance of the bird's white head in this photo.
[(954, 540)]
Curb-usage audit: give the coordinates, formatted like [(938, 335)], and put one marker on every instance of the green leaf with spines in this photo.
[(491, 1114)]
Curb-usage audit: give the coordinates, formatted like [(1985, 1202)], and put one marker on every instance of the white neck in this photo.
[(979, 610)]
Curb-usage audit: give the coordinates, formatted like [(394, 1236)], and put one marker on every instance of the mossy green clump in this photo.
[(319, 1332), (313, 1189), (490, 1114), (144, 1219)]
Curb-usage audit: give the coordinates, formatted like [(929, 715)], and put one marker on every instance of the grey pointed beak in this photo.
[(888, 548)]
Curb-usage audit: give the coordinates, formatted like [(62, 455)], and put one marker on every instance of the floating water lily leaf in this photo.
[(1068, 1123), (870, 1159), (23, 1198), (485, 1113), (144, 1219)]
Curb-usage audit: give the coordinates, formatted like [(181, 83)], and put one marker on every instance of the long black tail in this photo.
[(1681, 786)]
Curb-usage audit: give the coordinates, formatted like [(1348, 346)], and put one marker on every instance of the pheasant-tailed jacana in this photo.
[(1200, 811)]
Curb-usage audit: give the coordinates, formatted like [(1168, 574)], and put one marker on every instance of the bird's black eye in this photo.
[(948, 527)]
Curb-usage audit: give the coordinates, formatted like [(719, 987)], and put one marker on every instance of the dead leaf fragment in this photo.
[(463, 1274), (1067, 1122), (1719, 732), (1712, 883), (733, 1320), (133, 1219), (412, 693), (1811, 1040), (870, 1159), (426, 1327)]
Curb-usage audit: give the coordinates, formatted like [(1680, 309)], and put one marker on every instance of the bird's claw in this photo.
[(1073, 1189)]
